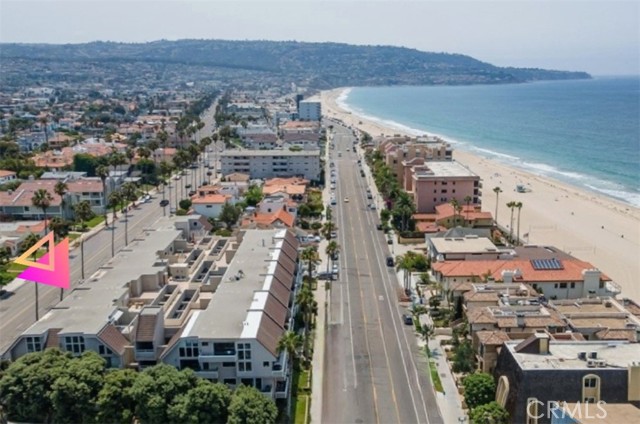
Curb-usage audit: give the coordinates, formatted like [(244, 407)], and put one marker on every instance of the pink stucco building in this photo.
[(435, 183)]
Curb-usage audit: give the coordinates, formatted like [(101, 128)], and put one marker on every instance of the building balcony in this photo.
[(282, 389), (207, 374), (145, 354), (217, 358)]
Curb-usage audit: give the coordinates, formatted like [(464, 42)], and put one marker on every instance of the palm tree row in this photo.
[(514, 205)]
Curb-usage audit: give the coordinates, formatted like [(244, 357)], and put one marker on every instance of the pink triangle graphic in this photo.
[(59, 276)]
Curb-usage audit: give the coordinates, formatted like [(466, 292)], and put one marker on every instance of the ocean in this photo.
[(583, 132)]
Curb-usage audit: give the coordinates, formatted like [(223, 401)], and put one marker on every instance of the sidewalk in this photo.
[(450, 403), (322, 298)]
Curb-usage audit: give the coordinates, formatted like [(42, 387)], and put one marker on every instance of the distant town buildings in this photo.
[(263, 164), (309, 110)]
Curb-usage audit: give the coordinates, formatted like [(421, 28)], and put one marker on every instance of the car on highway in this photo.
[(369, 196), (333, 202), (346, 200), (164, 203), (407, 319)]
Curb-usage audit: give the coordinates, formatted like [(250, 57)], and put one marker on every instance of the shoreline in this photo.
[(591, 226)]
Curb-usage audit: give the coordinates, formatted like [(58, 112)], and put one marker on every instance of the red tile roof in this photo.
[(572, 270)]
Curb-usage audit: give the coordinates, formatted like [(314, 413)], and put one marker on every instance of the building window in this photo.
[(563, 285), (573, 285), (104, 351), (34, 344), (190, 349), (244, 357), (74, 344), (265, 364), (591, 388), (502, 390)]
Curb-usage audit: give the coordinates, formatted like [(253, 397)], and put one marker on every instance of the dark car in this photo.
[(390, 261), (164, 203), (389, 240), (407, 319), (379, 227)]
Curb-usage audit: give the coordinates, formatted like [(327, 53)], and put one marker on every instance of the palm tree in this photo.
[(405, 263), (59, 227), (328, 228), (467, 200), (497, 191), (426, 331), (130, 154), (511, 205), (291, 343), (27, 244), (83, 213), (61, 189), (518, 206), (310, 256), (42, 199), (115, 160), (114, 200), (307, 306), (455, 206), (103, 172), (332, 249)]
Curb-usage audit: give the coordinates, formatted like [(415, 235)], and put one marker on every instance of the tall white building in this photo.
[(309, 110), (272, 163)]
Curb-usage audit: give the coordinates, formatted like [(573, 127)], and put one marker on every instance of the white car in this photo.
[(346, 200)]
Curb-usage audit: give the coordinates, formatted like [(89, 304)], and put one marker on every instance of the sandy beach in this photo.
[(591, 227)]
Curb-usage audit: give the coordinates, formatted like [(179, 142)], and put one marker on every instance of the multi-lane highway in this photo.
[(373, 371)]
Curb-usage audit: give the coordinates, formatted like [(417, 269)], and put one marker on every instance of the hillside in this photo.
[(319, 64)]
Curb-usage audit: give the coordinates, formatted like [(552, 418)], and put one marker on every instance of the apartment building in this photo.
[(263, 164), (309, 110), (539, 371), (461, 248), (180, 296), (18, 204), (436, 183)]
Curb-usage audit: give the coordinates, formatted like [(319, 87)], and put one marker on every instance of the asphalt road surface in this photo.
[(374, 372), (17, 311)]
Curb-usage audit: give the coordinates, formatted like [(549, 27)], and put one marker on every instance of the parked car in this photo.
[(372, 206), (379, 227), (334, 234), (389, 240), (164, 202), (390, 261), (407, 319), (369, 196)]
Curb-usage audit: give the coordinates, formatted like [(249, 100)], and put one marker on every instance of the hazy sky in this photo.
[(601, 37)]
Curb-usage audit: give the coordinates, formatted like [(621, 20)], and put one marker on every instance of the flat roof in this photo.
[(615, 413), (564, 354), (228, 315), (446, 245), (444, 169), (88, 307), (251, 152)]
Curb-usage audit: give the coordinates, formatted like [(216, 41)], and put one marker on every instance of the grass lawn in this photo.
[(73, 236), (300, 409), (17, 268), (435, 378), (95, 221)]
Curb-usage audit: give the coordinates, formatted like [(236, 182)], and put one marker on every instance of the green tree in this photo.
[(490, 413), (83, 212), (129, 192), (115, 402), (518, 206), (103, 172), (115, 198), (205, 403), (291, 343), (248, 406), (42, 199), (307, 306), (479, 389), (229, 215), (497, 190), (156, 387), (185, 204), (511, 205), (310, 256), (332, 249), (328, 228), (463, 358), (254, 195), (61, 189), (25, 387), (59, 227), (74, 392)]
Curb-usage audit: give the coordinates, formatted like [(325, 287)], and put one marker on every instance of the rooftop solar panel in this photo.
[(546, 264)]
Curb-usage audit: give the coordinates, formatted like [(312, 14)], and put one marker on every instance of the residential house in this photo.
[(7, 176), (539, 371)]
